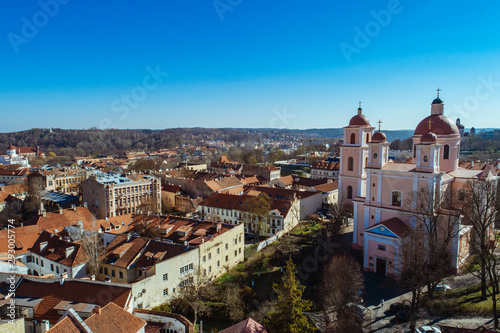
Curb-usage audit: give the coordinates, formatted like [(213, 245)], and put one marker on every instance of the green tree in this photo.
[(288, 314), (252, 160)]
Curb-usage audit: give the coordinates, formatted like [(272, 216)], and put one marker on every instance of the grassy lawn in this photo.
[(460, 301)]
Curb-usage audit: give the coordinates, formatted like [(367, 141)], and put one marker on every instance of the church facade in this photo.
[(381, 190)]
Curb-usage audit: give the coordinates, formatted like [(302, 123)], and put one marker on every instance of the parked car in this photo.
[(442, 287), (404, 315), (400, 306), (359, 309), (428, 329)]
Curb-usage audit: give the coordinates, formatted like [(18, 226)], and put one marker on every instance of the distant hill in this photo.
[(339, 132)]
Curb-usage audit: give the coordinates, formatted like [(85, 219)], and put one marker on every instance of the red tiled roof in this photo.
[(83, 291), (55, 250), (328, 187), (188, 326), (113, 318), (66, 325), (280, 193), (323, 165), (123, 251), (395, 225), (246, 326), (170, 188)]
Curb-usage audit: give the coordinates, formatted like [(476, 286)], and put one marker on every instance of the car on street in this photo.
[(400, 306), (442, 287), (358, 309), (404, 315), (428, 329)]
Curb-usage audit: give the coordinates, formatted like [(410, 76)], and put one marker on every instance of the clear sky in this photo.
[(246, 63)]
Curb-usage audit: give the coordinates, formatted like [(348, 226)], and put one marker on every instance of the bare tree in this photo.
[(295, 211), (413, 255), (255, 210), (437, 214), (36, 187), (191, 293), (340, 286), (148, 206), (92, 244), (234, 301), (341, 210), (481, 209)]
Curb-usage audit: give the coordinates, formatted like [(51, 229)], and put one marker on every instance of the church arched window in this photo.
[(353, 138), (367, 137), (350, 164), (349, 192), (446, 152)]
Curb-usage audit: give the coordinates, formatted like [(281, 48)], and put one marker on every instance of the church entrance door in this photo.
[(381, 267)]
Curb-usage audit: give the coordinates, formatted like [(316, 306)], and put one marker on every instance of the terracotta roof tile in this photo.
[(246, 326), (84, 291), (113, 318)]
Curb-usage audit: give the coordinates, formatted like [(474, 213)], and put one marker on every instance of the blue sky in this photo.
[(246, 63)]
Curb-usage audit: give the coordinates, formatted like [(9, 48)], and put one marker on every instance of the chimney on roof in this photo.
[(73, 206), (96, 310), (43, 245), (61, 282), (61, 210), (69, 251), (472, 164), (85, 205), (186, 244)]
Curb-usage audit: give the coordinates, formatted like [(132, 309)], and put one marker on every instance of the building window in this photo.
[(41, 262), (349, 192), (446, 152), (227, 258), (165, 292), (106, 270), (461, 194), (121, 275), (227, 246), (396, 198), (186, 268), (210, 256), (57, 269), (113, 273), (353, 138), (29, 258), (350, 164), (218, 263), (165, 277), (381, 247), (52, 267), (204, 258), (375, 155), (426, 158)]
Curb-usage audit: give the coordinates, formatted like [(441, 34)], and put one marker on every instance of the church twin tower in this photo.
[(436, 147)]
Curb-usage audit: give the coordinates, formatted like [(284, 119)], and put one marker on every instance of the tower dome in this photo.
[(359, 119), (429, 138), (379, 137), (441, 125)]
